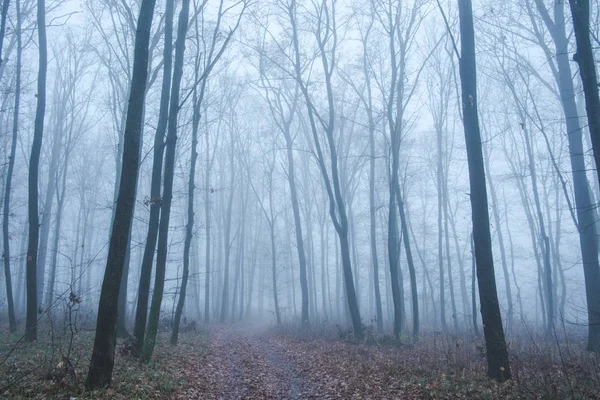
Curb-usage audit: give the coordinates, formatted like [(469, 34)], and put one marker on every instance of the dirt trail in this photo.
[(247, 363)]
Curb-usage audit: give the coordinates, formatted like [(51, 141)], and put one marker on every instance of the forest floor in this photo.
[(244, 361)]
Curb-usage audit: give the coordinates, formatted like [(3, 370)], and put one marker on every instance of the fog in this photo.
[(299, 163)]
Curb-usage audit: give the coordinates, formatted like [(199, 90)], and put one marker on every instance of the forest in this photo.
[(300, 199)]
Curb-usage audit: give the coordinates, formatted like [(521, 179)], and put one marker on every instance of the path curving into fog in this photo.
[(247, 363)]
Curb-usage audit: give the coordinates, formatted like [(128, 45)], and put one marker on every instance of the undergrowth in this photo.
[(445, 366), (37, 370)]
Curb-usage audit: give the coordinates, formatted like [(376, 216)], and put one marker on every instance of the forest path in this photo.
[(247, 362)]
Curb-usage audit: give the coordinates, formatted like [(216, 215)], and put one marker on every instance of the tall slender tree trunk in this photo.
[(411, 266), (584, 207), (170, 149), (207, 217), (34, 165), (102, 362), (49, 196), (60, 198), (274, 273), (189, 229), (580, 10), (337, 208), (155, 200), (439, 175), (474, 289), (497, 354), (11, 166), (227, 243), (449, 256), (297, 223), (499, 234), (5, 4), (544, 239)]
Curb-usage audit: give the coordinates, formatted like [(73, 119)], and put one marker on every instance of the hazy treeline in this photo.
[(300, 161)]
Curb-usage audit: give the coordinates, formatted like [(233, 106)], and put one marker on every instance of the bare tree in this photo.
[(497, 354), (580, 11), (583, 202), (325, 33), (170, 147), (34, 161), (155, 201), (11, 165), (102, 362)]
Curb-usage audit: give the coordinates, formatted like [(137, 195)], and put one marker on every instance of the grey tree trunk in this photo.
[(155, 201), (34, 164), (411, 266), (207, 217), (580, 10), (337, 208), (474, 290), (60, 198), (439, 175), (11, 166), (448, 253), (102, 362), (584, 207), (170, 149), (189, 228), (497, 354), (5, 5), (297, 221), (223, 315), (499, 234), (58, 133)]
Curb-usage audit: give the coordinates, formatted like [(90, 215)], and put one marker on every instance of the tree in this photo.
[(5, 4), (141, 314), (326, 37), (11, 165), (189, 228), (282, 106), (34, 164), (271, 218), (102, 362), (580, 10), (497, 354), (171, 142), (583, 202)]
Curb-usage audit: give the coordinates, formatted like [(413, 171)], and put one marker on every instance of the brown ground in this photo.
[(241, 362), (258, 362)]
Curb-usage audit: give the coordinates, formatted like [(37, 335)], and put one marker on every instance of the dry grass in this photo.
[(41, 370), (440, 367)]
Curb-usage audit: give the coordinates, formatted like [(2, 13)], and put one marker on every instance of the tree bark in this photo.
[(580, 10), (5, 5), (207, 217), (474, 290), (297, 222), (411, 266), (170, 149), (584, 208), (60, 198), (189, 229), (223, 315), (496, 213), (497, 354), (102, 362), (155, 201), (34, 164), (440, 177), (11, 166)]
